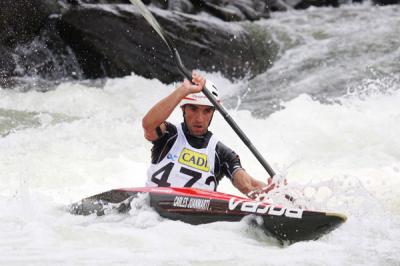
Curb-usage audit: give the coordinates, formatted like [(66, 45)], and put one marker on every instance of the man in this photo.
[(188, 155)]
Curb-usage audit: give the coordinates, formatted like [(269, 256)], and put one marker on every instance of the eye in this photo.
[(192, 107), (209, 110)]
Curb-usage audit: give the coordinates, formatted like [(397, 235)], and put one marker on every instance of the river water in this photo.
[(326, 115)]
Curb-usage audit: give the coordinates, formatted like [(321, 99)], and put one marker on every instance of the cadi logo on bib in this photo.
[(194, 159)]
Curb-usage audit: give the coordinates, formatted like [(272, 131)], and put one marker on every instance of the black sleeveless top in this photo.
[(226, 160)]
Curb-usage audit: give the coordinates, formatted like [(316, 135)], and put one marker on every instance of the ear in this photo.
[(212, 116)]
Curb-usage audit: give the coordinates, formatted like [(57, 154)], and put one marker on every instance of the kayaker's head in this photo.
[(198, 111)]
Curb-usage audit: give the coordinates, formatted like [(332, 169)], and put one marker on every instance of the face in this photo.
[(198, 118)]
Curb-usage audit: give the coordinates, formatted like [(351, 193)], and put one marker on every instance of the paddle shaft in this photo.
[(225, 115)]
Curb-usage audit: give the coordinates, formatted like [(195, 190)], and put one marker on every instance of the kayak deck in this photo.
[(195, 206)]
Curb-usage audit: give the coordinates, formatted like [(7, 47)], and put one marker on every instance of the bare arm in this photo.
[(245, 183), (160, 112), (163, 109)]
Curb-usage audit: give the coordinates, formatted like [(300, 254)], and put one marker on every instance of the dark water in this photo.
[(80, 139), (327, 53)]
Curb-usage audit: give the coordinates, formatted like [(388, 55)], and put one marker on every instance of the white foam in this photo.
[(343, 156)]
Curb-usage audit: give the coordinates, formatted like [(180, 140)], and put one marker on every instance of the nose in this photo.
[(200, 117)]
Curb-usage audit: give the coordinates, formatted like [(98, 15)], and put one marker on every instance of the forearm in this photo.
[(163, 109), (245, 183)]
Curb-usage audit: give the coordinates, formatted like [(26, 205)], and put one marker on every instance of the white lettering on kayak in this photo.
[(262, 208), (202, 204), (191, 203), (180, 201), (233, 204)]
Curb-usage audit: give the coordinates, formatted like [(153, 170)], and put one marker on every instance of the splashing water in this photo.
[(339, 155)]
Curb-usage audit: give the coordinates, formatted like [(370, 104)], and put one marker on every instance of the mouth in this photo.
[(198, 128)]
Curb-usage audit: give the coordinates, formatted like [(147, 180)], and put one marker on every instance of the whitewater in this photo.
[(338, 147)]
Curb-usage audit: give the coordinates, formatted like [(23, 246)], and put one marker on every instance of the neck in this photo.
[(197, 142), (188, 133)]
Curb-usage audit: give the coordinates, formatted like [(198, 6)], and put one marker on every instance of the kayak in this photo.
[(196, 206)]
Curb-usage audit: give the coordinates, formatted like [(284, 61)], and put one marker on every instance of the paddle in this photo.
[(153, 22)]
